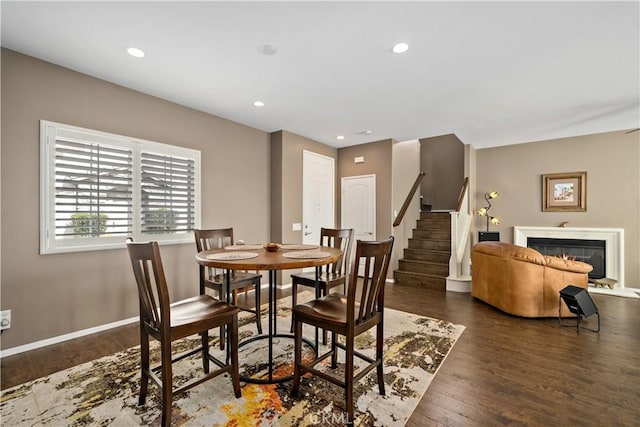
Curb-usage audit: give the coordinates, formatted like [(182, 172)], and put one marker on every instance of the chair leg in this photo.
[(323, 293), (334, 350), (297, 360), (204, 337), (348, 377), (379, 357), (223, 297), (144, 365), (258, 317), (167, 383), (294, 299), (235, 371)]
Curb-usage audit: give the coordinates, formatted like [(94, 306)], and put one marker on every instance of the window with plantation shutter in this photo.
[(167, 194), (98, 188), (93, 184)]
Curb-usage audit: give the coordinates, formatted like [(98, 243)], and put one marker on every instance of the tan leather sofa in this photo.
[(522, 281)]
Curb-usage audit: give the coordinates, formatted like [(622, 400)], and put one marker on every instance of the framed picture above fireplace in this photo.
[(564, 192)]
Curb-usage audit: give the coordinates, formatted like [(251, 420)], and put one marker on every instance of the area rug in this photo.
[(105, 391)]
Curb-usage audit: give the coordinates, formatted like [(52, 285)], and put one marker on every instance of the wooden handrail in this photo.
[(407, 201), (465, 187)]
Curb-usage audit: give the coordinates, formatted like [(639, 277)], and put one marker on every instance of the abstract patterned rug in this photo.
[(105, 391)]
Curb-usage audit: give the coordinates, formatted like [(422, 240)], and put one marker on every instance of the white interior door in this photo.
[(318, 195), (359, 207)]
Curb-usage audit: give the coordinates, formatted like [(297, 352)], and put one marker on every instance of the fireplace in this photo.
[(613, 239), (592, 252)]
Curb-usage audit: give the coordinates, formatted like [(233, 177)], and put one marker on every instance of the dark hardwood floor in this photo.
[(503, 370)]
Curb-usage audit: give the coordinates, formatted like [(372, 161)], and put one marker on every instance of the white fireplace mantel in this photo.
[(613, 237)]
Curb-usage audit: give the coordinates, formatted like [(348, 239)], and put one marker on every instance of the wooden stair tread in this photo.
[(413, 273), (420, 261), (439, 251)]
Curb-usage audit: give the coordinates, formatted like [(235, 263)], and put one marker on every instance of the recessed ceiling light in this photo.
[(400, 48), (340, 137), (134, 51), (267, 49), (258, 104)]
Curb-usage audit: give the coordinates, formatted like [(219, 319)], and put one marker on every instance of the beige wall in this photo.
[(286, 171), (286, 187), (611, 161), (377, 160), (52, 295), (442, 159), (277, 172), (470, 171), (406, 167)]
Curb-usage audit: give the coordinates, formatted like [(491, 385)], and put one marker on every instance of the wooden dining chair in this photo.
[(331, 275), (215, 279), (348, 315), (167, 322)]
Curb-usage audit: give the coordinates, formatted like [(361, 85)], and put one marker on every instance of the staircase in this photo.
[(426, 260)]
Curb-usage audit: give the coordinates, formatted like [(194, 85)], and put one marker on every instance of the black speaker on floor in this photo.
[(578, 302)]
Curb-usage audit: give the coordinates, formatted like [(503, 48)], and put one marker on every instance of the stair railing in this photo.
[(407, 201), (461, 219)]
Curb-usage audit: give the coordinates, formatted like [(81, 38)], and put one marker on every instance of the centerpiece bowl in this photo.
[(271, 247)]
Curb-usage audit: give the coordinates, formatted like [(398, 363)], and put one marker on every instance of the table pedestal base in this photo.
[(273, 364)]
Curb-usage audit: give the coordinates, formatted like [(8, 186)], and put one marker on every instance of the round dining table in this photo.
[(255, 257)]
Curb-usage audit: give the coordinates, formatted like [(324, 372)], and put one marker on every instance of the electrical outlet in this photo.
[(5, 319)]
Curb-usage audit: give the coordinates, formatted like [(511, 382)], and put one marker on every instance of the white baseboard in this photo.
[(65, 337), (619, 292), (459, 284)]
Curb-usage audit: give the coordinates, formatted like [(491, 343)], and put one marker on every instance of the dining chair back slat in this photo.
[(154, 298), (376, 257), (339, 239)]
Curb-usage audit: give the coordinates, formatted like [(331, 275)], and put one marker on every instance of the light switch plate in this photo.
[(5, 319), (297, 226)]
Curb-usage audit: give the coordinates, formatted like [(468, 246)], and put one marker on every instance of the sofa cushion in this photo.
[(507, 250)]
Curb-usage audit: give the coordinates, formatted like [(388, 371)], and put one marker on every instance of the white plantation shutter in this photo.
[(93, 190), (97, 188), (167, 194)]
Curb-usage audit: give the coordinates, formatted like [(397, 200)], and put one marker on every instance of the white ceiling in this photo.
[(492, 73)]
